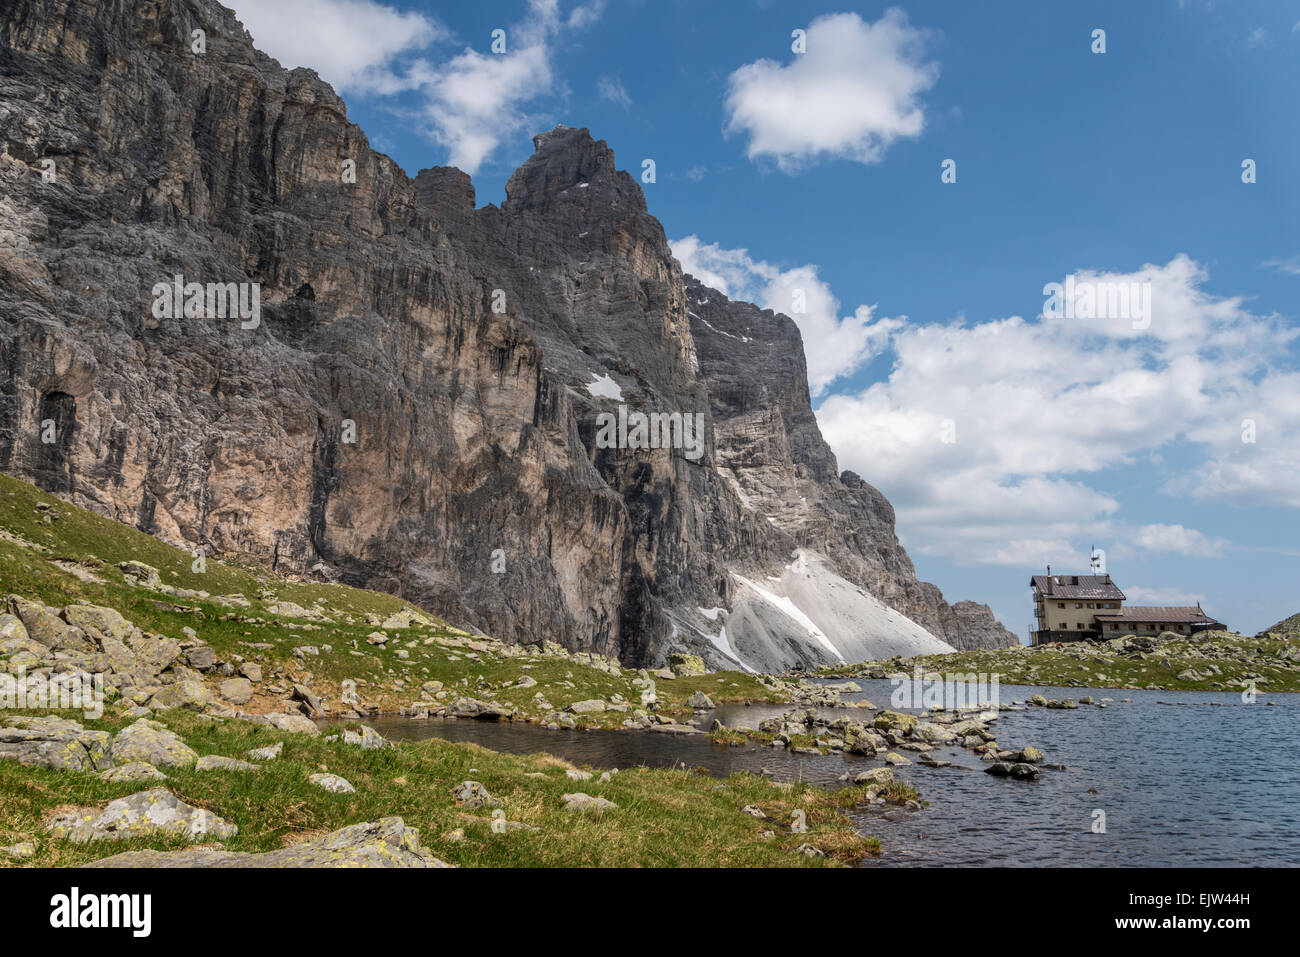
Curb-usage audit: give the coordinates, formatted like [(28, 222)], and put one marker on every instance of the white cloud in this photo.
[(1289, 266), (476, 100), (611, 88), (1257, 37), (1161, 596), (1173, 539), (981, 432), (472, 101), (835, 345), (352, 44), (585, 14), (854, 92)]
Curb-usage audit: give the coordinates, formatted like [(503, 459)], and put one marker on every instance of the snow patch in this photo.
[(811, 607), (792, 611), (604, 387), (723, 645)]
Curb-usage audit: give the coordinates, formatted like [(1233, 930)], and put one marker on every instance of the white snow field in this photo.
[(810, 616)]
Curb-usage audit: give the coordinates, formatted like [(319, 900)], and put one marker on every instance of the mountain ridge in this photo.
[(461, 345)]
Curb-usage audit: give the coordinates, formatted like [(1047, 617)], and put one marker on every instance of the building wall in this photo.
[(1074, 613), (1121, 628)]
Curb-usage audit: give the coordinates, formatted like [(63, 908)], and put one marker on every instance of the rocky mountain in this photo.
[(226, 320)]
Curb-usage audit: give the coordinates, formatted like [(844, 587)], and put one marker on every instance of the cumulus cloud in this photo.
[(854, 91), (985, 435), (476, 100), (352, 44), (1173, 539), (835, 345), (470, 102)]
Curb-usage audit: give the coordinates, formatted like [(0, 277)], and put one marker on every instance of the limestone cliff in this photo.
[(415, 406)]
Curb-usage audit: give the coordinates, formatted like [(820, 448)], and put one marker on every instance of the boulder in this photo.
[(585, 802), (268, 753), (367, 738), (153, 743), (674, 728), (387, 842), (201, 658), (12, 627), (473, 708), (1017, 770), (19, 852), (1068, 704), (311, 703), (332, 783), (46, 627), (215, 762), (875, 776), (56, 743), (140, 575), (895, 721), (590, 706), (932, 733), (684, 665), (471, 794), (96, 620), (406, 618), (189, 694), (289, 609), (236, 690), (293, 723), (143, 814), (154, 653), (133, 771), (251, 670), (700, 702)]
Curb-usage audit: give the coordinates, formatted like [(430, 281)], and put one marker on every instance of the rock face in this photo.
[(387, 842), (157, 811), (54, 743), (413, 406)]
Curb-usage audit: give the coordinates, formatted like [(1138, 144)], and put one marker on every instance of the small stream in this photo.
[(1183, 778)]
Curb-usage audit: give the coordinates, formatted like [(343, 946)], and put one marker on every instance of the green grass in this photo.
[(665, 818), (1085, 665), (32, 540)]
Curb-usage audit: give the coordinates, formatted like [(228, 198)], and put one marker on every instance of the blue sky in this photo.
[(1005, 438)]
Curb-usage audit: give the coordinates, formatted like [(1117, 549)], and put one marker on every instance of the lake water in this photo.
[(1202, 779)]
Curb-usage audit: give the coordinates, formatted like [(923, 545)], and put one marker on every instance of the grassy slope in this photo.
[(1084, 666), (664, 818), (97, 545), (667, 818)]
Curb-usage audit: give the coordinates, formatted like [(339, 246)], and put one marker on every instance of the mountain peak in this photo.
[(566, 159)]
